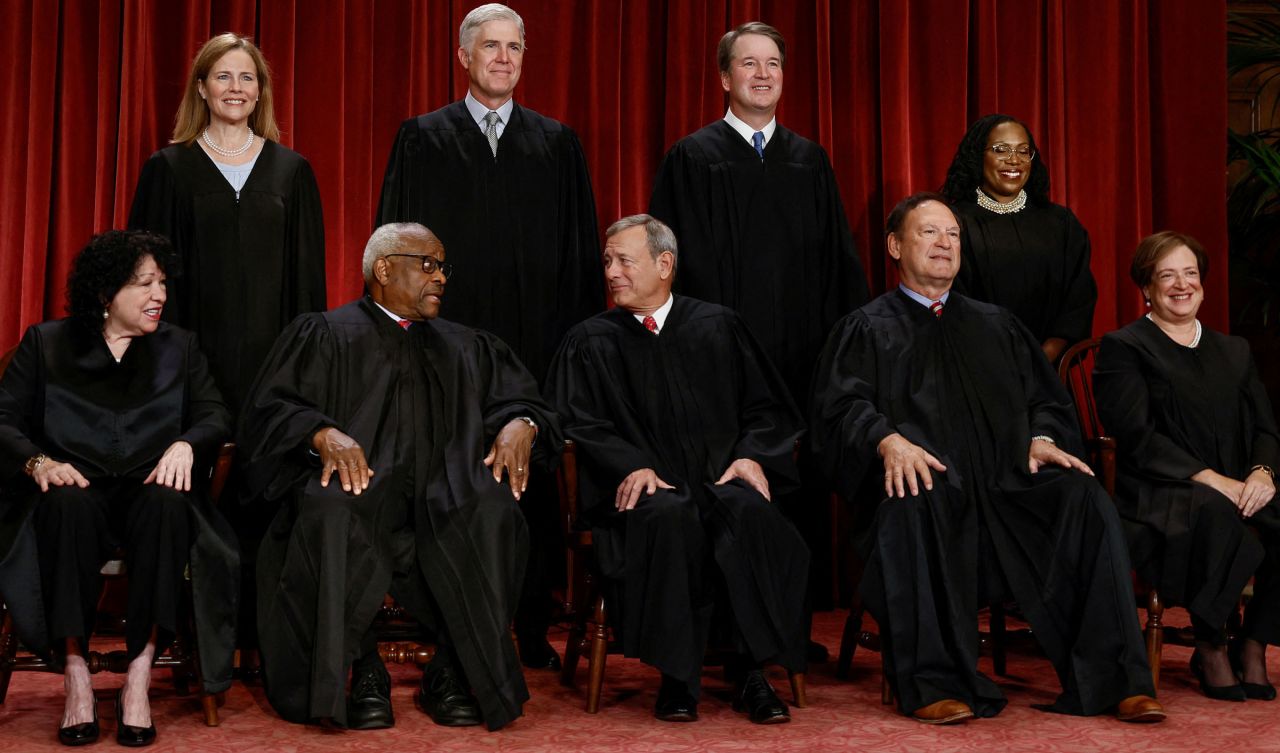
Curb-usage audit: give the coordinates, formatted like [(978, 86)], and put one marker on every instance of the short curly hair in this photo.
[(105, 265), (964, 176)]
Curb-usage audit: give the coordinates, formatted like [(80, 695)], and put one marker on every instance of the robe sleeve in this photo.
[(284, 410), (581, 276), (304, 245), (207, 422), (1075, 321), (158, 208), (1266, 437), (1124, 406), (846, 283), (1050, 411), (398, 180), (508, 391), (771, 424), (21, 394), (846, 425)]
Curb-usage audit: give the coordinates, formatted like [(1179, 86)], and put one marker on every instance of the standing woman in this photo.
[(243, 213), (1019, 250)]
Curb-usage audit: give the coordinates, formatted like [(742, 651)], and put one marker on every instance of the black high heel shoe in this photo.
[(1215, 692), (129, 735), (1263, 691), (83, 733)]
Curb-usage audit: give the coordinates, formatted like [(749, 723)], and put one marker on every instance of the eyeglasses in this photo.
[(1005, 151), (430, 264)]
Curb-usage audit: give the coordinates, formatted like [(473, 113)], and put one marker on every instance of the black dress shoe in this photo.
[(1258, 691), (83, 733), (755, 696), (675, 702), (537, 653), (129, 735), (444, 698), (369, 706), (1215, 692)]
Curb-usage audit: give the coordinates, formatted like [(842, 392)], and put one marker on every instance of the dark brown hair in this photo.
[(724, 51), (1155, 247)]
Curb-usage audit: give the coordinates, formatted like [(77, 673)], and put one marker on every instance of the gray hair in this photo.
[(391, 239), (482, 15), (658, 236)]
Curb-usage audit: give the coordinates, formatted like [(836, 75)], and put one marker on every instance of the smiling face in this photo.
[(135, 310), (1003, 176), (927, 249), (638, 282), (493, 63), (230, 89), (402, 287), (1175, 291), (754, 78)]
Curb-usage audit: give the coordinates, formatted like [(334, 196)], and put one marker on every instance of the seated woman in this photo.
[(114, 420), (1197, 444)]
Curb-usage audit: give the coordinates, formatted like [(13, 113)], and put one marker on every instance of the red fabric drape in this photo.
[(1128, 103)]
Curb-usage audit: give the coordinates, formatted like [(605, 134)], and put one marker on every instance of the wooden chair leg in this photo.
[(799, 696), (209, 701), (8, 650), (886, 691), (1154, 635), (849, 642), (599, 650), (998, 640)]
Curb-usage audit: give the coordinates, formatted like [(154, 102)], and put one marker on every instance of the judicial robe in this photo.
[(1035, 263), (520, 229), (433, 529), (767, 238), (1174, 412), (65, 396), (686, 403), (249, 266), (971, 387)]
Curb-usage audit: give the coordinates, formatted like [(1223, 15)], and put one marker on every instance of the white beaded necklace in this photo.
[(991, 205), (248, 144), (1195, 341)]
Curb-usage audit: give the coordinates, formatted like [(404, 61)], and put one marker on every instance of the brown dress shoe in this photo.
[(1140, 708), (947, 711)]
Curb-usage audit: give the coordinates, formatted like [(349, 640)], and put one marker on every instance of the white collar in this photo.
[(394, 316), (746, 131), (478, 111), (660, 315)]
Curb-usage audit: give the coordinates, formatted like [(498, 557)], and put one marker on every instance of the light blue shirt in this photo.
[(478, 111), (923, 301)]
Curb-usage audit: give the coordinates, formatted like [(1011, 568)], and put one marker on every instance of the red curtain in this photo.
[(1127, 100)]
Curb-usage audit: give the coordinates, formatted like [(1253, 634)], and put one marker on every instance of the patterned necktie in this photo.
[(651, 324), (936, 308), (405, 324), (491, 121), (757, 138)]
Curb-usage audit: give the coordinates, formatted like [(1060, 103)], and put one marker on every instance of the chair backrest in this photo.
[(1076, 372)]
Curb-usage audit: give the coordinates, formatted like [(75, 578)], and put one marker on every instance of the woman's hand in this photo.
[(1258, 490), (1227, 487), (54, 473), (174, 468)]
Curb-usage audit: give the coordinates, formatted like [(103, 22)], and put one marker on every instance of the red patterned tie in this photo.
[(651, 324), (936, 308)]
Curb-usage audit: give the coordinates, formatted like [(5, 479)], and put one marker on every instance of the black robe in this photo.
[(686, 403), (768, 239), (972, 388), (248, 266), (1174, 412), (65, 396), (520, 230), (433, 529), (1035, 263)]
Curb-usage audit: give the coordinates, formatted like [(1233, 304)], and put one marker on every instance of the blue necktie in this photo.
[(757, 139)]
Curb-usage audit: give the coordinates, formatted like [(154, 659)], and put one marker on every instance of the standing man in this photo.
[(507, 192), (758, 215)]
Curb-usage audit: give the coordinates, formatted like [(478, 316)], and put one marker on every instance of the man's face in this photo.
[(402, 286), (493, 62), (637, 281), (754, 79), (927, 247)]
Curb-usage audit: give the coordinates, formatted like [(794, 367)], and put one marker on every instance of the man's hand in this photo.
[(174, 468), (511, 451), (1044, 453), (749, 471), (54, 473), (906, 466), (1258, 490), (644, 480), (341, 453)]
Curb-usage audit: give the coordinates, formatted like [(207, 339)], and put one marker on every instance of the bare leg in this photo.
[(137, 708), (78, 686), (1253, 661)]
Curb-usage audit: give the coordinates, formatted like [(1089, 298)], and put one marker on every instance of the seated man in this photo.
[(685, 436), (980, 499), (383, 437)]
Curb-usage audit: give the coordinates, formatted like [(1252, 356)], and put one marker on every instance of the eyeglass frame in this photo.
[(1029, 156), (429, 260)]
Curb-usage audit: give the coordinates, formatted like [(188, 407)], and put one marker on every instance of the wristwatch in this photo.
[(1265, 469), (529, 421), (34, 462)]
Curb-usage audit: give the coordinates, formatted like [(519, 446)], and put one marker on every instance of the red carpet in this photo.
[(841, 716)]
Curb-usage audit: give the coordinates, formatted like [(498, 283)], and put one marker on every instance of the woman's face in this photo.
[(136, 309), (1004, 175), (1174, 291), (231, 88)]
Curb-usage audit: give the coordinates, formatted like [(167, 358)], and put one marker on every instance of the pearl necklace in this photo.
[(248, 144), (1195, 341), (991, 205)]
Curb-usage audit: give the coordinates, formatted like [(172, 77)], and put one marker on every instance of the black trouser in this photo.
[(77, 530)]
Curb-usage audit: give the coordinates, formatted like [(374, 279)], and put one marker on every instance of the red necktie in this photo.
[(936, 308), (405, 323), (651, 324)]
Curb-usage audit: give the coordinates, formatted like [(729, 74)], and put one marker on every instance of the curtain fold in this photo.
[(1128, 105)]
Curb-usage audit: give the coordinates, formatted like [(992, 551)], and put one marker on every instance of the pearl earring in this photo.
[(105, 315)]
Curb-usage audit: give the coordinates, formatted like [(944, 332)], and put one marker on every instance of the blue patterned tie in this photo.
[(757, 139)]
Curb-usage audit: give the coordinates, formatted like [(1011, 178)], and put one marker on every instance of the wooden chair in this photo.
[(586, 608)]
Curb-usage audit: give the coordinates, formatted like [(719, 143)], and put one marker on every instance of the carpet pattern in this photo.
[(842, 716)]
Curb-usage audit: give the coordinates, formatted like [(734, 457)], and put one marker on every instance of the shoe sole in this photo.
[(376, 724), (958, 718), (676, 717), (1147, 717)]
